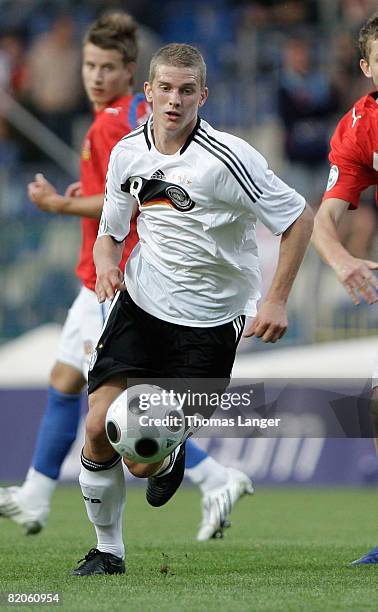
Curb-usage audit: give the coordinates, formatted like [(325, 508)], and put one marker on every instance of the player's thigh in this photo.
[(81, 331), (66, 378), (98, 404)]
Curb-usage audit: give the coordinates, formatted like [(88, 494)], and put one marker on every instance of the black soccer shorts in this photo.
[(142, 346)]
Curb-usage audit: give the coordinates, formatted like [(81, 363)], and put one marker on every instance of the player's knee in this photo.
[(95, 429), (66, 379)]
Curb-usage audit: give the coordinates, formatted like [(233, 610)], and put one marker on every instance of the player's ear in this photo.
[(204, 95), (365, 67), (131, 68), (148, 92)]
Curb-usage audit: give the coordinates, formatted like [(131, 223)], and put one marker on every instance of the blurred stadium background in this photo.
[(280, 75)]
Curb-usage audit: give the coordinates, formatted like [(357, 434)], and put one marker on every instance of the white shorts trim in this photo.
[(81, 330)]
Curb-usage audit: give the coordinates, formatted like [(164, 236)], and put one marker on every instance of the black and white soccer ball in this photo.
[(145, 423)]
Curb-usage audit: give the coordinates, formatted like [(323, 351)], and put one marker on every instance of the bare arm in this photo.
[(355, 274), (270, 323), (44, 195), (107, 255)]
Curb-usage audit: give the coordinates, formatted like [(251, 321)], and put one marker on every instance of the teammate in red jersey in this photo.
[(109, 61), (354, 167)]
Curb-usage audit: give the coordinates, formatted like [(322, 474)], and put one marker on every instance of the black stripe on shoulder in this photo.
[(145, 130), (135, 132), (237, 162), (252, 196)]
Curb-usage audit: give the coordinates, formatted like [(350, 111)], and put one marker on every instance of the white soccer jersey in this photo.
[(196, 262)]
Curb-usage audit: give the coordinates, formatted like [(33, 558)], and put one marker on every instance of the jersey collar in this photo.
[(119, 102), (149, 139), (374, 96)]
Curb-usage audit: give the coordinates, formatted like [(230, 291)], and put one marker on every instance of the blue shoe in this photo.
[(369, 558)]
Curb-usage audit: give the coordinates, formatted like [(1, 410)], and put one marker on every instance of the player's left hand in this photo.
[(73, 190), (270, 323)]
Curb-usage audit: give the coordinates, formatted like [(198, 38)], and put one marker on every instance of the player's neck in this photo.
[(169, 143), (97, 107)]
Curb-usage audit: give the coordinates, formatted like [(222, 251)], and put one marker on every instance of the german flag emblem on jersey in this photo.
[(153, 192)]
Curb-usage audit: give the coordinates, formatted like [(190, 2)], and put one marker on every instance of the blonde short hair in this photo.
[(176, 54)]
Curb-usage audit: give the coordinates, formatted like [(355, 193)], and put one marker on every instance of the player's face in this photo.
[(370, 68), (175, 94), (105, 76)]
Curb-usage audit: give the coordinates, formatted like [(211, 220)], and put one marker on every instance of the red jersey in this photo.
[(354, 152), (108, 127)]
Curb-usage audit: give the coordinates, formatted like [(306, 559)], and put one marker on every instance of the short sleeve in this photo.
[(349, 174), (118, 206), (258, 190)]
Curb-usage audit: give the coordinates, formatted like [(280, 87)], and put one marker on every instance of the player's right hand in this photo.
[(108, 283), (270, 323), (44, 195), (358, 278)]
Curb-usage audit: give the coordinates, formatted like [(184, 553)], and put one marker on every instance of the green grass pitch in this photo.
[(288, 549)]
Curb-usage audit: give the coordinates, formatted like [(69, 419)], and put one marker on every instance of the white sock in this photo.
[(35, 493), (208, 474), (104, 496), (168, 463), (109, 538)]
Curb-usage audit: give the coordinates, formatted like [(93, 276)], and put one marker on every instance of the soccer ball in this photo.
[(145, 423)]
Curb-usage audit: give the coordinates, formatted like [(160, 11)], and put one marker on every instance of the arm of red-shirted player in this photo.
[(44, 195), (270, 323), (356, 275)]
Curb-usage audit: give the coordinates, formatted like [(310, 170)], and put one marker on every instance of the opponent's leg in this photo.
[(203, 470), (29, 505), (221, 488), (371, 558)]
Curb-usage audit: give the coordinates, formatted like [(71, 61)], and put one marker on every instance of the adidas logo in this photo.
[(158, 174)]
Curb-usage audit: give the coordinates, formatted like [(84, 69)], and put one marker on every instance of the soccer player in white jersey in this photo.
[(190, 281), (109, 55)]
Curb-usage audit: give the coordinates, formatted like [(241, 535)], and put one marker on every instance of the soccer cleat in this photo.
[(218, 504), (369, 559), (11, 507), (97, 562), (160, 489)]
